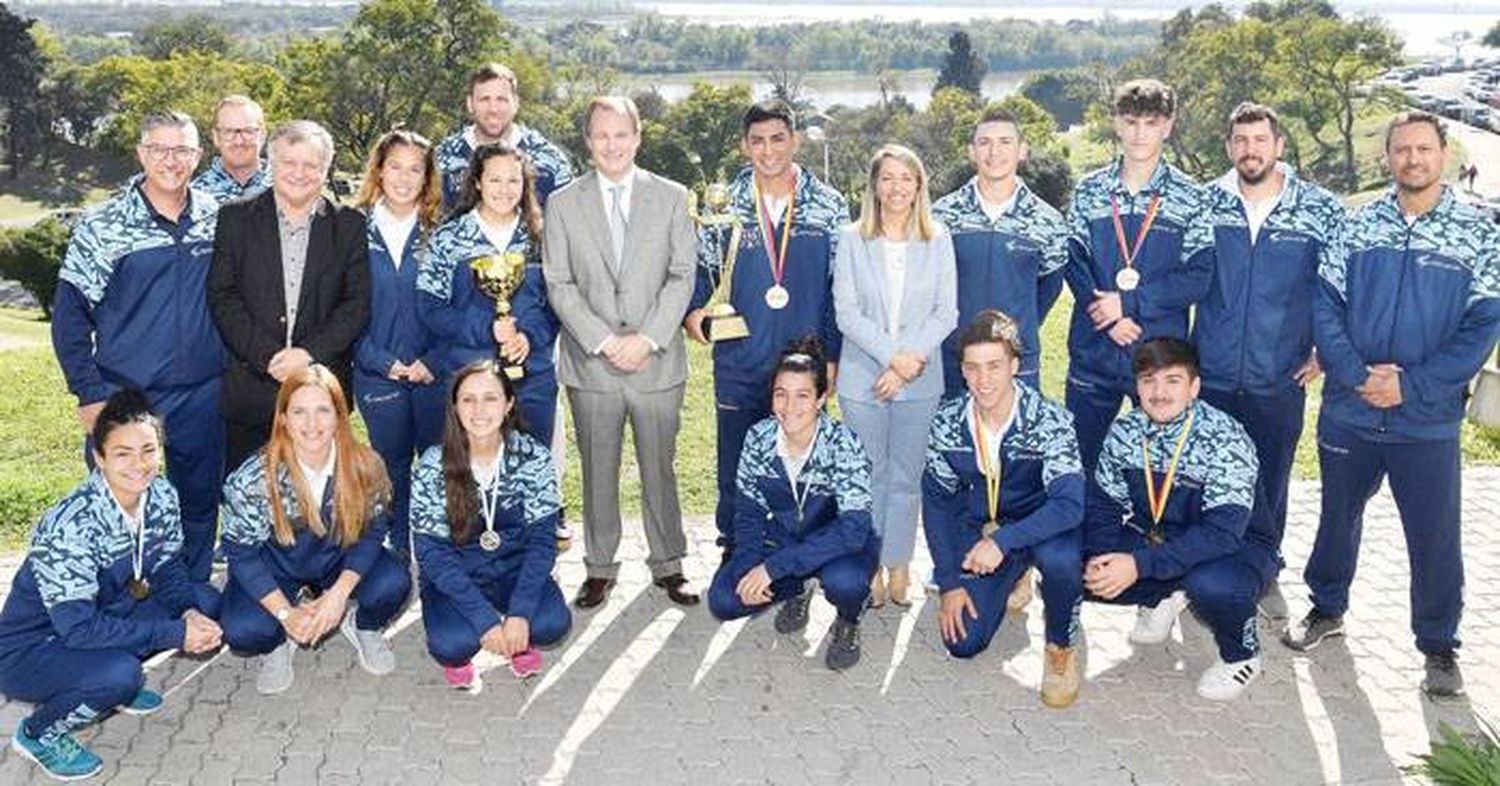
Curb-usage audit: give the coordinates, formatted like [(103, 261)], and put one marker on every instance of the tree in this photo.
[(1492, 38), (191, 82), (962, 68), (33, 256), (22, 65), (400, 61), (192, 33), (1065, 94)]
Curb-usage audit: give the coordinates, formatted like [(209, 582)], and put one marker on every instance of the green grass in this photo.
[(41, 441)]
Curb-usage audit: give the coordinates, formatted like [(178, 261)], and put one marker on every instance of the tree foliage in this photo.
[(22, 65), (1299, 56), (32, 258), (962, 68), (192, 33)]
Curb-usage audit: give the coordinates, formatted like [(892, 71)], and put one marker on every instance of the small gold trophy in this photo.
[(721, 322), (499, 276)]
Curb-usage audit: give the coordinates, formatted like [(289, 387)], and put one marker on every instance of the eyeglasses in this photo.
[(163, 152), (248, 132)]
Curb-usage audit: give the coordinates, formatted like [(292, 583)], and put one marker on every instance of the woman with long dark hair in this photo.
[(304, 523), (103, 586), (496, 214), (484, 510)]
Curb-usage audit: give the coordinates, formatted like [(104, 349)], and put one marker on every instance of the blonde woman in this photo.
[(304, 521), (896, 300)]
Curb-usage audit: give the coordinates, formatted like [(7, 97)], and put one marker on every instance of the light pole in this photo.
[(816, 134)]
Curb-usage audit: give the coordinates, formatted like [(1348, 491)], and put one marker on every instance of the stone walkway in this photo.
[(643, 691)]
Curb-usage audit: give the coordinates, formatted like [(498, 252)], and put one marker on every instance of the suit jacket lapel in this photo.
[(875, 253), (270, 229), (598, 222)]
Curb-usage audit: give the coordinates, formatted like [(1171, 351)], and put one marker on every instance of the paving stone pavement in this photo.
[(643, 691)]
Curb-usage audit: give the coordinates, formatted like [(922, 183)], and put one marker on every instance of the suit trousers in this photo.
[(599, 421)]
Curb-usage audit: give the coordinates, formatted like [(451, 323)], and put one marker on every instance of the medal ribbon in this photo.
[(1157, 498), (1128, 252), (489, 497), (768, 232), (801, 499), (993, 473)]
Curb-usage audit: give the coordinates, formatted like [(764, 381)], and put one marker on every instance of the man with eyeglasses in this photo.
[(238, 171), (131, 312)]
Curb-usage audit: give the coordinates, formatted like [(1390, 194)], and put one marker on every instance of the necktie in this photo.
[(617, 223)]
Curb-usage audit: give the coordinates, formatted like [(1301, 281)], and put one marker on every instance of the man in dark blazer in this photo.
[(619, 259), (289, 285)]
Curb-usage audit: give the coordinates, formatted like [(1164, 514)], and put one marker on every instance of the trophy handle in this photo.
[(722, 292)]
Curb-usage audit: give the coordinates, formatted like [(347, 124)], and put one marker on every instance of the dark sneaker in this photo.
[(1311, 631), (146, 701), (60, 756), (792, 616), (1443, 678), (1273, 605), (843, 647)]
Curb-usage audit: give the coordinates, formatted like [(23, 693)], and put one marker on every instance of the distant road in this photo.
[(1482, 146)]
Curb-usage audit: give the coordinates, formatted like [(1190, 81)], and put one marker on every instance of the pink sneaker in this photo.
[(460, 677), (527, 663)]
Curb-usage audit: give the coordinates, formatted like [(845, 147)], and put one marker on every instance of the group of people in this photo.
[(226, 325)]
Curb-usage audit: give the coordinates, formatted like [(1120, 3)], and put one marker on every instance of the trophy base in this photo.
[(513, 373), (725, 327)]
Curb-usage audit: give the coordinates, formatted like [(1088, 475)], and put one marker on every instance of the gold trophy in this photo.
[(499, 276), (720, 322)]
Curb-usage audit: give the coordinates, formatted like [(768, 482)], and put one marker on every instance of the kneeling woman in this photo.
[(483, 513), (803, 510), (304, 520), (103, 587)]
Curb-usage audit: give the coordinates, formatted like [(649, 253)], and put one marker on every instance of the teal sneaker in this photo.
[(63, 757), (146, 701)]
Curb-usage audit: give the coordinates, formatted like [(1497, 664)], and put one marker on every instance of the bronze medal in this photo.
[(140, 589)]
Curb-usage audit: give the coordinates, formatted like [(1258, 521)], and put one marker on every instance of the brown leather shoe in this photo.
[(593, 593), (676, 587)]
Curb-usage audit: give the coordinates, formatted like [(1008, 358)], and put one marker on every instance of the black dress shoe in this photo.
[(676, 587), (593, 593)]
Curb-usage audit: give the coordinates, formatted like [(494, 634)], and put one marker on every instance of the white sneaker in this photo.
[(1154, 625), (1226, 681), (276, 669), (375, 655)]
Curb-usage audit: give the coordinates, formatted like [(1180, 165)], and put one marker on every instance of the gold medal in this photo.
[(990, 528), (1156, 498), (140, 589), (489, 540), (777, 297)]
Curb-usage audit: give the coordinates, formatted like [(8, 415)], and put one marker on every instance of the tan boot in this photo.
[(1020, 595), (900, 582), (877, 589), (1060, 677)]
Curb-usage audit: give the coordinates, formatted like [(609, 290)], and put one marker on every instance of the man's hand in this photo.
[(493, 640), (1108, 575), (1106, 309), (754, 588), (88, 413), (287, 362), (1309, 371), (984, 558), (1125, 332), (1382, 388), (693, 324), (629, 353), (398, 372), (956, 603)]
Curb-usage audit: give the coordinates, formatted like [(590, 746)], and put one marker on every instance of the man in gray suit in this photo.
[(619, 259)]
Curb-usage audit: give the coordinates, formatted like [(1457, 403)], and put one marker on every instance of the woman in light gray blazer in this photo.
[(895, 297)]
